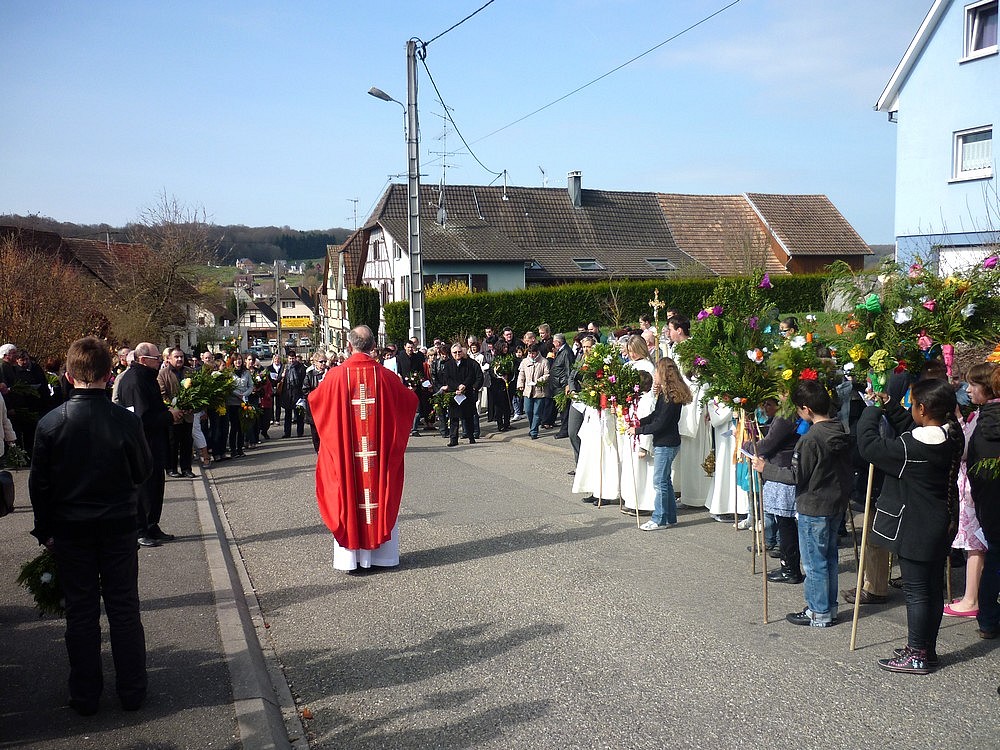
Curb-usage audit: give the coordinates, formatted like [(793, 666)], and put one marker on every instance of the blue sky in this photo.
[(258, 111)]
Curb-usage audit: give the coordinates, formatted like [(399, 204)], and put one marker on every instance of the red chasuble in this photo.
[(364, 415)]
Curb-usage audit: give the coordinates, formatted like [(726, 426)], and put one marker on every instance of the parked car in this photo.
[(304, 341), (273, 343), (262, 352)]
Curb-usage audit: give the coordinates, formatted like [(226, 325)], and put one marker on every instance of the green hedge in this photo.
[(363, 306), (565, 307)]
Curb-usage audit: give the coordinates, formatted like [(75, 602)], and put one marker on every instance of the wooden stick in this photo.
[(861, 558), (757, 496), (600, 458)]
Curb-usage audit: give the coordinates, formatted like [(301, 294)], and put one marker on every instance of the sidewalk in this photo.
[(209, 684)]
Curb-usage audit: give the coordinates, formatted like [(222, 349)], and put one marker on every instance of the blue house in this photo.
[(943, 98)]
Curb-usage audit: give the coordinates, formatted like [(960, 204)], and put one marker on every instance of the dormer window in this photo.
[(588, 264), (981, 29), (661, 264)]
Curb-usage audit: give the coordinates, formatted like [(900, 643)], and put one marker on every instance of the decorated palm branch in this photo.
[(204, 390), (606, 380), (731, 340)]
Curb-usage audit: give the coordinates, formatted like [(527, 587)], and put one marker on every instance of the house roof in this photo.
[(808, 225), (619, 230), (713, 229), (889, 100)]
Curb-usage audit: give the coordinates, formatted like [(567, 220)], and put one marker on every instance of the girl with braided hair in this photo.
[(916, 516)]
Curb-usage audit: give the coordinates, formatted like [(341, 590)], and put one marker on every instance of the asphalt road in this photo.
[(523, 618)]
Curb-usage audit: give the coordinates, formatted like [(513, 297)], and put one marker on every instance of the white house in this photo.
[(943, 99)]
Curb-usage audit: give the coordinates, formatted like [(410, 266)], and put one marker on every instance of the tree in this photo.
[(152, 288), (47, 303)]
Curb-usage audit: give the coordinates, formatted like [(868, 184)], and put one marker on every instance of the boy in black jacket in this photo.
[(90, 456), (822, 474)]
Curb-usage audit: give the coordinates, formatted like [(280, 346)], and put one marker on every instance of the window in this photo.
[(253, 318), (973, 158), (397, 251), (661, 264), (588, 264), (287, 304), (532, 265), (981, 28)]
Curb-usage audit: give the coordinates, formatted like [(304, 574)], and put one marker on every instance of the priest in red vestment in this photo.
[(363, 413)]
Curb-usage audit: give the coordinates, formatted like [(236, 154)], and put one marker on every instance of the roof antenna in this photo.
[(545, 178), (504, 194)]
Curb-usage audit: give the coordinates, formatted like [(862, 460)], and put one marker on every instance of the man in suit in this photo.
[(463, 377)]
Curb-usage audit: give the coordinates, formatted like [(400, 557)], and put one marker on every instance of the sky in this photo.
[(258, 113)]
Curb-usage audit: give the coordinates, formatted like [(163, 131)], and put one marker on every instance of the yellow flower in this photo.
[(787, 375), (856, 352), (221, 410), (186, 383), (870, 336)]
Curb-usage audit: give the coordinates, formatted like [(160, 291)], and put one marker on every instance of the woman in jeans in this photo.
[(916, 516), (234, 405), (672, 394)]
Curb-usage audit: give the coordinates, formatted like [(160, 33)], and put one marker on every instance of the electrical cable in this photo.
[(605, 75), (458, 24), (451, 119)]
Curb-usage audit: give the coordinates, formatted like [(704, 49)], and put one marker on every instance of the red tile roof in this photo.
[(808, 225)]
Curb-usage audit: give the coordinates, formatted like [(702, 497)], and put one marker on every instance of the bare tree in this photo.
[(158, 275), (747, 246)]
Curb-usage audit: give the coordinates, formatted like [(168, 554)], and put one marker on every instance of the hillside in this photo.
[(234, 241)]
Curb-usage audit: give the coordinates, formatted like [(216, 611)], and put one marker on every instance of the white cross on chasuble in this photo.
[(363, 443)]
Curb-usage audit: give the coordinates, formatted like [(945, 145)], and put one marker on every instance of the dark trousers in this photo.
[(989, 589), (564, 419), (923, 589), (788, 540), (575, 422), (150, 504), (314, 434), (218, 430), (501, 405), (235, 429), (104, 564), (181, 447), (462, 413), (264, 422), (300, 421)]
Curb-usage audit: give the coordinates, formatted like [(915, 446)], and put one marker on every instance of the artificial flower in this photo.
[(186, 383), (786, 374), (856, 353), (838, 328), (717, 311), (753, 322), (611, 378), (700, 361), (755, 355), (870, 303), (968, 310), (810, 318), (808, 374), (930, 304), (765, 283), (903, 315), (924, 341), (915, 270), (797, 342), (870, 335), (880, 361), (702, 314), (991, 262), (848, 367)]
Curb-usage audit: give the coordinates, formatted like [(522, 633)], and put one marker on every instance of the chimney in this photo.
[(574, 184)]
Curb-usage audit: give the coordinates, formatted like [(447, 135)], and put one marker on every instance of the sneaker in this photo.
[(932, 657), (651, 526), (911, 661), (805, 617), (517, 417), (745, 524)]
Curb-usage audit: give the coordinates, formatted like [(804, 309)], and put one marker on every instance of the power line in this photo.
[(458, 24), (447, 112), (601, 77)]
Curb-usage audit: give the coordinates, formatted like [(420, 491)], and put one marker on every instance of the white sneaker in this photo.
[(517, 417), (744, 524), (651, 526)]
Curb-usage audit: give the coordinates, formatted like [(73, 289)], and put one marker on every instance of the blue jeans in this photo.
[(534, 408), (820, 562), (665, 504)]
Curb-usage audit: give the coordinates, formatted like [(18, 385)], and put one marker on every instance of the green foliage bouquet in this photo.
[(607, 381), (39, 577), (204, 390), (731, 340)]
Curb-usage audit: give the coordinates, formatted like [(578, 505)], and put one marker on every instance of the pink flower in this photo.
[(717, 311), (765, 283), (700, 361), (703, 314), (930, 304), (991, 262), (915, 270), (611, 378), (924, 341)]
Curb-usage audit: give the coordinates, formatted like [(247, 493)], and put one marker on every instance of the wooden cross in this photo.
[(368, 506), (364, 454), (363, 401)]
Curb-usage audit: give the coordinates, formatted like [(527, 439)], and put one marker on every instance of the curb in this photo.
[(266, 716)]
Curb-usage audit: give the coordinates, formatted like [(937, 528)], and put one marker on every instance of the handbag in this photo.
[(6, 493)]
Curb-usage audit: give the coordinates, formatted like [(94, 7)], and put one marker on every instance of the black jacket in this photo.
[(465, 372), (139, 391), (662, 423), (821, 470), (984, 444), (90, 456), (293, 384), (912, 513), (560, 367)]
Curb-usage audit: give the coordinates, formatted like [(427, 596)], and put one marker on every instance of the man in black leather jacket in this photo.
[(139, 392), (462, 376), (90, 456)]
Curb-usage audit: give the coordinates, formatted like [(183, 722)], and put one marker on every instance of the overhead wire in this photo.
[(458, 24)]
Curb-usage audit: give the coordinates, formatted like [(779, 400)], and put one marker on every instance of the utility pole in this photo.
[(417, 316)]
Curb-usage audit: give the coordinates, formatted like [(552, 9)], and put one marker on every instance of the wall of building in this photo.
[(940, 97)]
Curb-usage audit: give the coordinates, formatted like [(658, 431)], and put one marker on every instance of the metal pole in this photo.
[(417, 316), (277, 308)]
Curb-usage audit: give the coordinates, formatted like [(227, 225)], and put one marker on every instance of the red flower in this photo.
[(808, 374)]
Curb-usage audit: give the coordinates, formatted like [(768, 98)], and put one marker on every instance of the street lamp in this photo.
[(277, 302), (412, 132)]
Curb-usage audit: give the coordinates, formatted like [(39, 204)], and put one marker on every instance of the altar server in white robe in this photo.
[(692, 484), (637, 456), (598, 471), (723, 499)]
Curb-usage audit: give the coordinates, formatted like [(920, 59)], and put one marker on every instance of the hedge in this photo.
[(363, 306), (564, 307)]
